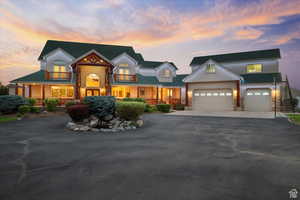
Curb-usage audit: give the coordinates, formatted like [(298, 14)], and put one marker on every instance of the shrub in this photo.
[(51, 104), (130, 111), (71, 103), (31, 102), (10, 103), (163, 107), (78, 112), (35, 109), (134, 99), (150, 108), (3, 90), (179, 107), (24, 109), (101, 106)]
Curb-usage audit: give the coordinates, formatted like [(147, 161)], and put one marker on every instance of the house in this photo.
[(73, 70), (243, 81)]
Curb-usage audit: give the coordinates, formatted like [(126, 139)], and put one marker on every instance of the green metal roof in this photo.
[(249, 55), (152, 80), (261, 77), (154, 64), (39, 77), (77, 49)]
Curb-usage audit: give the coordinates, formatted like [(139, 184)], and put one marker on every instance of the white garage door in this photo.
[(212, 100), (258, 100)]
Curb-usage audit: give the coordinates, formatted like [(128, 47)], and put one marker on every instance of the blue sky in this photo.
[(175, 30)]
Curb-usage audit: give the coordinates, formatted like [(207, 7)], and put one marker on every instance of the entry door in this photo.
[(258, 100), (92, 92), (214, 100)]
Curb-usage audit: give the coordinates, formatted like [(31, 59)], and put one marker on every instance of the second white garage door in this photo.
[(212, 100), (258, 100)]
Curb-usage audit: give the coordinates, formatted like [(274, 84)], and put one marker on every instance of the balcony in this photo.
[(58, 75), (125, 78)]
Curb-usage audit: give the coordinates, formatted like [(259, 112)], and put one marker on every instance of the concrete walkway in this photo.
[(235, 114)]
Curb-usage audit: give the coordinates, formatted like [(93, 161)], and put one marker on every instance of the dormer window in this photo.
[(254, 68), (59, 72), (211, 68), (166, 73)]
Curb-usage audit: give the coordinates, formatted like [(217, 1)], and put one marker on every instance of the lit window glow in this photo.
[(215, 94), (208, 94), (249, 93), (92, 80), (166, 73), (196, 94), (62, 91), (253, 68), (59, 72), (222, 94), (266, 93), (210, 68), (257, 93), (228, 94), (202, 94)]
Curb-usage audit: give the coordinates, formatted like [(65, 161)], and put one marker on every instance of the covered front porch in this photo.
[(40, 92), (152, 94)]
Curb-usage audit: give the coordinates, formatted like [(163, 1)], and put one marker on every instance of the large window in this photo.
[(92, 80), (253, 68), (59, 72), (211, 68), (62, 91), (121, 92), (124, 74)]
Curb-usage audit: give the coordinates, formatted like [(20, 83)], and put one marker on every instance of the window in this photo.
[(228, 94), (121, 92), (210, 68), (62, 91), (124, 74), (222, 94), (196, 94), (266, 93), (166, 73), (257, 93), (249, 93), (123, 65), (216, 94), (253, 68), (202, 94), (59, 72), (92, 80), (208, 94)]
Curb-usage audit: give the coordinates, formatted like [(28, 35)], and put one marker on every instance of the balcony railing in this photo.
[(58, 75), (125, 78)]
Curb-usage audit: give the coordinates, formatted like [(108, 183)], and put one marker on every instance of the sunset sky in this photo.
[(174, 30)]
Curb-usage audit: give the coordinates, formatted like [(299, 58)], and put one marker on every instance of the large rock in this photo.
[(71, 125), (94, 123), (139, 123), (108, 118)]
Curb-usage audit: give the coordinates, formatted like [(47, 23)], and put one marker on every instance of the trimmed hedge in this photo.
[(130, 111), (70, 103), (51, 104), (24, 109), (101, 106), (179, 107), (163, 107), (150, 108), (10, 103), (134, 99), (78, 112), (35, 109)]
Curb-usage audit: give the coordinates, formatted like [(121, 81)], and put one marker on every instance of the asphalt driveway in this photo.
[(171, 157)]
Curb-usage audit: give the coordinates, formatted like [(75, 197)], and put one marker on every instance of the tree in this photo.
[(3, 89)]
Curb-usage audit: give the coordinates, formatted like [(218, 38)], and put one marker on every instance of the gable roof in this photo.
[(39, 77), (230, 57), (262, 77), (77, 49), (154, 64)]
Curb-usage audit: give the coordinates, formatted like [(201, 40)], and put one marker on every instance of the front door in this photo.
[(92, 92)]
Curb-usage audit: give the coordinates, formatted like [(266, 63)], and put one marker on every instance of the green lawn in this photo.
[(294, 117), (7, 118)]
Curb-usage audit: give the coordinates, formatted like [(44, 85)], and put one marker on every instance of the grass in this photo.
[(294, 117), (7, 118)]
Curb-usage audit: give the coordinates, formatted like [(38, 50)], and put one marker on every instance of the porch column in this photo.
[(156, 95), (180, 95), (138, 92), (16, 89), (238, 93), (23, 90), (186, 94), (43, 91), (77, 88), (161, 94), (29, 91)]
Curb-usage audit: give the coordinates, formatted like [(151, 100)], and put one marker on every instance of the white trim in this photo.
[(202, 68), (54, 51), (125, 54)]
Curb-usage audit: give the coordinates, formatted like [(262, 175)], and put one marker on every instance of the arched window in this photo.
[(166, 73), (92, 80)]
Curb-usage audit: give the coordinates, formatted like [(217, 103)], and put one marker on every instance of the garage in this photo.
[(212, 100), (258, 100)]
